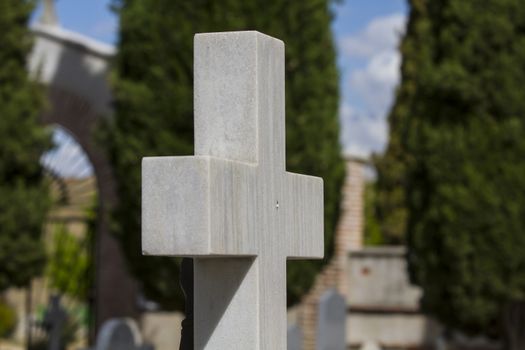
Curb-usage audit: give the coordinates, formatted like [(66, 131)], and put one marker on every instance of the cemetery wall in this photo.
[(378, 278), (383, 305)]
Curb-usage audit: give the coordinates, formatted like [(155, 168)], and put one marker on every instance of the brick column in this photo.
[(350, 229), (348, 237)]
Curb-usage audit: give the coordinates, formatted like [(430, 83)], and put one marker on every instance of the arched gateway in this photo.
[(74, 69)]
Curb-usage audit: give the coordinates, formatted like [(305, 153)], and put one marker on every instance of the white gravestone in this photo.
[(370, 345), (233, 206)]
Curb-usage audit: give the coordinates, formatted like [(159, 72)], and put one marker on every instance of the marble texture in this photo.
[(233, 206)]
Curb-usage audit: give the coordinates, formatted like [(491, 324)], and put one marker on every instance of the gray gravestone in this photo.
[(331, 322), (55, 320), (295, 338), (120, 334)]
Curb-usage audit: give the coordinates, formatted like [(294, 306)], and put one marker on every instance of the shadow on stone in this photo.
[(218, 282)]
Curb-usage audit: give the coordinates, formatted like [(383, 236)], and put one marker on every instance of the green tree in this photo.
[(7, 319), (69, 263), (390, 201), (372, 229), (24, 198), (154, 96), (459, 140)]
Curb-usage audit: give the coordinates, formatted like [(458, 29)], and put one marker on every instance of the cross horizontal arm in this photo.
[(197, 206), (303, 216)]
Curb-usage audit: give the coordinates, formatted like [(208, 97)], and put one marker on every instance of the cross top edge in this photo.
[(239, 96), (249, 33)]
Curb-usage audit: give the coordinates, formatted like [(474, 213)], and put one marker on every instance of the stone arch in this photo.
[(74, 70)]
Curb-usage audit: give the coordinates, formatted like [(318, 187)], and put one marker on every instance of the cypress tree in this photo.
[(24, 196), (154, 103), (462, 138), (390, 201)]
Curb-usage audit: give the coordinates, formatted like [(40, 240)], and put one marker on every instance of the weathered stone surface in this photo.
[(234, 201)]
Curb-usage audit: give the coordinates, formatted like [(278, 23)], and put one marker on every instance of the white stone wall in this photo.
[(392, 330), (383, 305), (378, 278), (58, 55)]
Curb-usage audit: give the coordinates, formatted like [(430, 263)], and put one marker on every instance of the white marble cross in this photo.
[(233, 206)]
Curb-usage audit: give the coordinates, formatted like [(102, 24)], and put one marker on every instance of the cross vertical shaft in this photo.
[(233, 206), (239, 115)]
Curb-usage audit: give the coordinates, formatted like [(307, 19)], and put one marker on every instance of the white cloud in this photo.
[(362, 135), (373, 84), (380, 34)]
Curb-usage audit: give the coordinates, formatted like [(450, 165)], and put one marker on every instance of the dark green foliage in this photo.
[(24, 196), (458, 150), (372, 228), (154, 101), (391, 167), (7, 320)]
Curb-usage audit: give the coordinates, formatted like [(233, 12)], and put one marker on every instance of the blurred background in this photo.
[(411, 110)]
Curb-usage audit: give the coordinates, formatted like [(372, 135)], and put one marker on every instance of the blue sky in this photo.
[(366, 32)]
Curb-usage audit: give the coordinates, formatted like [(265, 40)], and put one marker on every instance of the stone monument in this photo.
[(232, 206), (295, 338), (331, 323), (54, 322), (120, 334)]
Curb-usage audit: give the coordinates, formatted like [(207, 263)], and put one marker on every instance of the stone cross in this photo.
[(233, 206)]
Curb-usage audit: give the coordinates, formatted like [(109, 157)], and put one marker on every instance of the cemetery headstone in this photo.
[(232, 206), (331, 323), (120, 334), (295, 338), (440, 342), (55, 320), (370, 345)]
